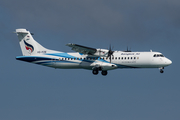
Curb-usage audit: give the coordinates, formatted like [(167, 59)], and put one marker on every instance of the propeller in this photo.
[(110, 52)]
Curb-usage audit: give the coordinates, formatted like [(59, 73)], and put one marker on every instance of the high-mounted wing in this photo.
[(82, 49), (88, 50)]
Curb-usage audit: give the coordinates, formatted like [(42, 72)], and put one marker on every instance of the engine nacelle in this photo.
[(101, 53), (104, 66), (108, 66)]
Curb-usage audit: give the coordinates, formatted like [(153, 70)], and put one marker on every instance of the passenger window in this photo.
[(134, 57), (125, 58), (128, 58), (131, 58), (119, 58), (122, 58)]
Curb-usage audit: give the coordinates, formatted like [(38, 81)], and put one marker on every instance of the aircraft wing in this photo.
[(82, 49)]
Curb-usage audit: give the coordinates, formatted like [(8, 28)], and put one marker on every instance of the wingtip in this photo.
[(69, 44)]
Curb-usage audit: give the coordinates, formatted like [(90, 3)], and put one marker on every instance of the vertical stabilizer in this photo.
[(28, 45)]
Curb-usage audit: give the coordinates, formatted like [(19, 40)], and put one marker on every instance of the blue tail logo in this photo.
[(29, 47)]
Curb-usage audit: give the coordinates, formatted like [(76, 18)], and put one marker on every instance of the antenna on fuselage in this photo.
[(127, 50)]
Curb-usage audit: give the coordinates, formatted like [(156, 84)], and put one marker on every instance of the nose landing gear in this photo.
[(161, 70)]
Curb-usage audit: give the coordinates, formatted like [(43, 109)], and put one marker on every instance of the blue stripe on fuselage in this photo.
[(32, 58), (66, 55), (47, 60)]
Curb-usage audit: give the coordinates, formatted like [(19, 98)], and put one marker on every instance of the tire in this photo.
[(104, 73), (95, 72), (161, 71)]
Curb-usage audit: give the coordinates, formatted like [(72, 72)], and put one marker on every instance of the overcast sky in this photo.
[(33, 92)]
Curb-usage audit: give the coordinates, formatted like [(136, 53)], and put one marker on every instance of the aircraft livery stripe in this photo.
[(61, 55), (46, 61), (32, 58)]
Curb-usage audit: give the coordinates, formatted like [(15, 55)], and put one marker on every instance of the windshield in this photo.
[(158, 55)]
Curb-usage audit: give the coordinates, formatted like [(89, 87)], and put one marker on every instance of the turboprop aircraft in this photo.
[(86, 57)]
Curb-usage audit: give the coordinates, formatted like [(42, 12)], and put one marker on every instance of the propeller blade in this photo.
[(110, 52), (110, 58)]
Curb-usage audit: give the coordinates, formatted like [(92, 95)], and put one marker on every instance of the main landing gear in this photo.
[(161, 70), (96, 71), (104, 73)]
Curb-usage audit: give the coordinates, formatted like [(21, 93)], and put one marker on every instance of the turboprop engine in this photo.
[(101, 52)]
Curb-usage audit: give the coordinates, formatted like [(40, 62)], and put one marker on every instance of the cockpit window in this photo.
[(158, 55), (161, 55)]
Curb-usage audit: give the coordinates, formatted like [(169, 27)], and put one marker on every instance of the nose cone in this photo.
[(168, 62)]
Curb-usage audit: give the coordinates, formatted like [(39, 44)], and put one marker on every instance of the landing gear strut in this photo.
[(161, 70)]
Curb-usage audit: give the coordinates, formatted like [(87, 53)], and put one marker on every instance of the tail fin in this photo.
[(28, 45)]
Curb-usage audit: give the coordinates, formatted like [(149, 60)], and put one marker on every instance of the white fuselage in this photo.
[(120, 59), (86, 57)]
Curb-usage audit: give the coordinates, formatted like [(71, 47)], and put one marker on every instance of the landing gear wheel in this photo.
[(104, 73), (95, 72), (161, 71)]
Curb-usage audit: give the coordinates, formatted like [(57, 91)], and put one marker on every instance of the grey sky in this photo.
[(122, 20), (34, 92)]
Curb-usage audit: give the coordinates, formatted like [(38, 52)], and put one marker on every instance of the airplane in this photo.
[(86, 57)]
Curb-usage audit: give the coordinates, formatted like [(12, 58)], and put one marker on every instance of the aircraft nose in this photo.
[(169, 62)]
